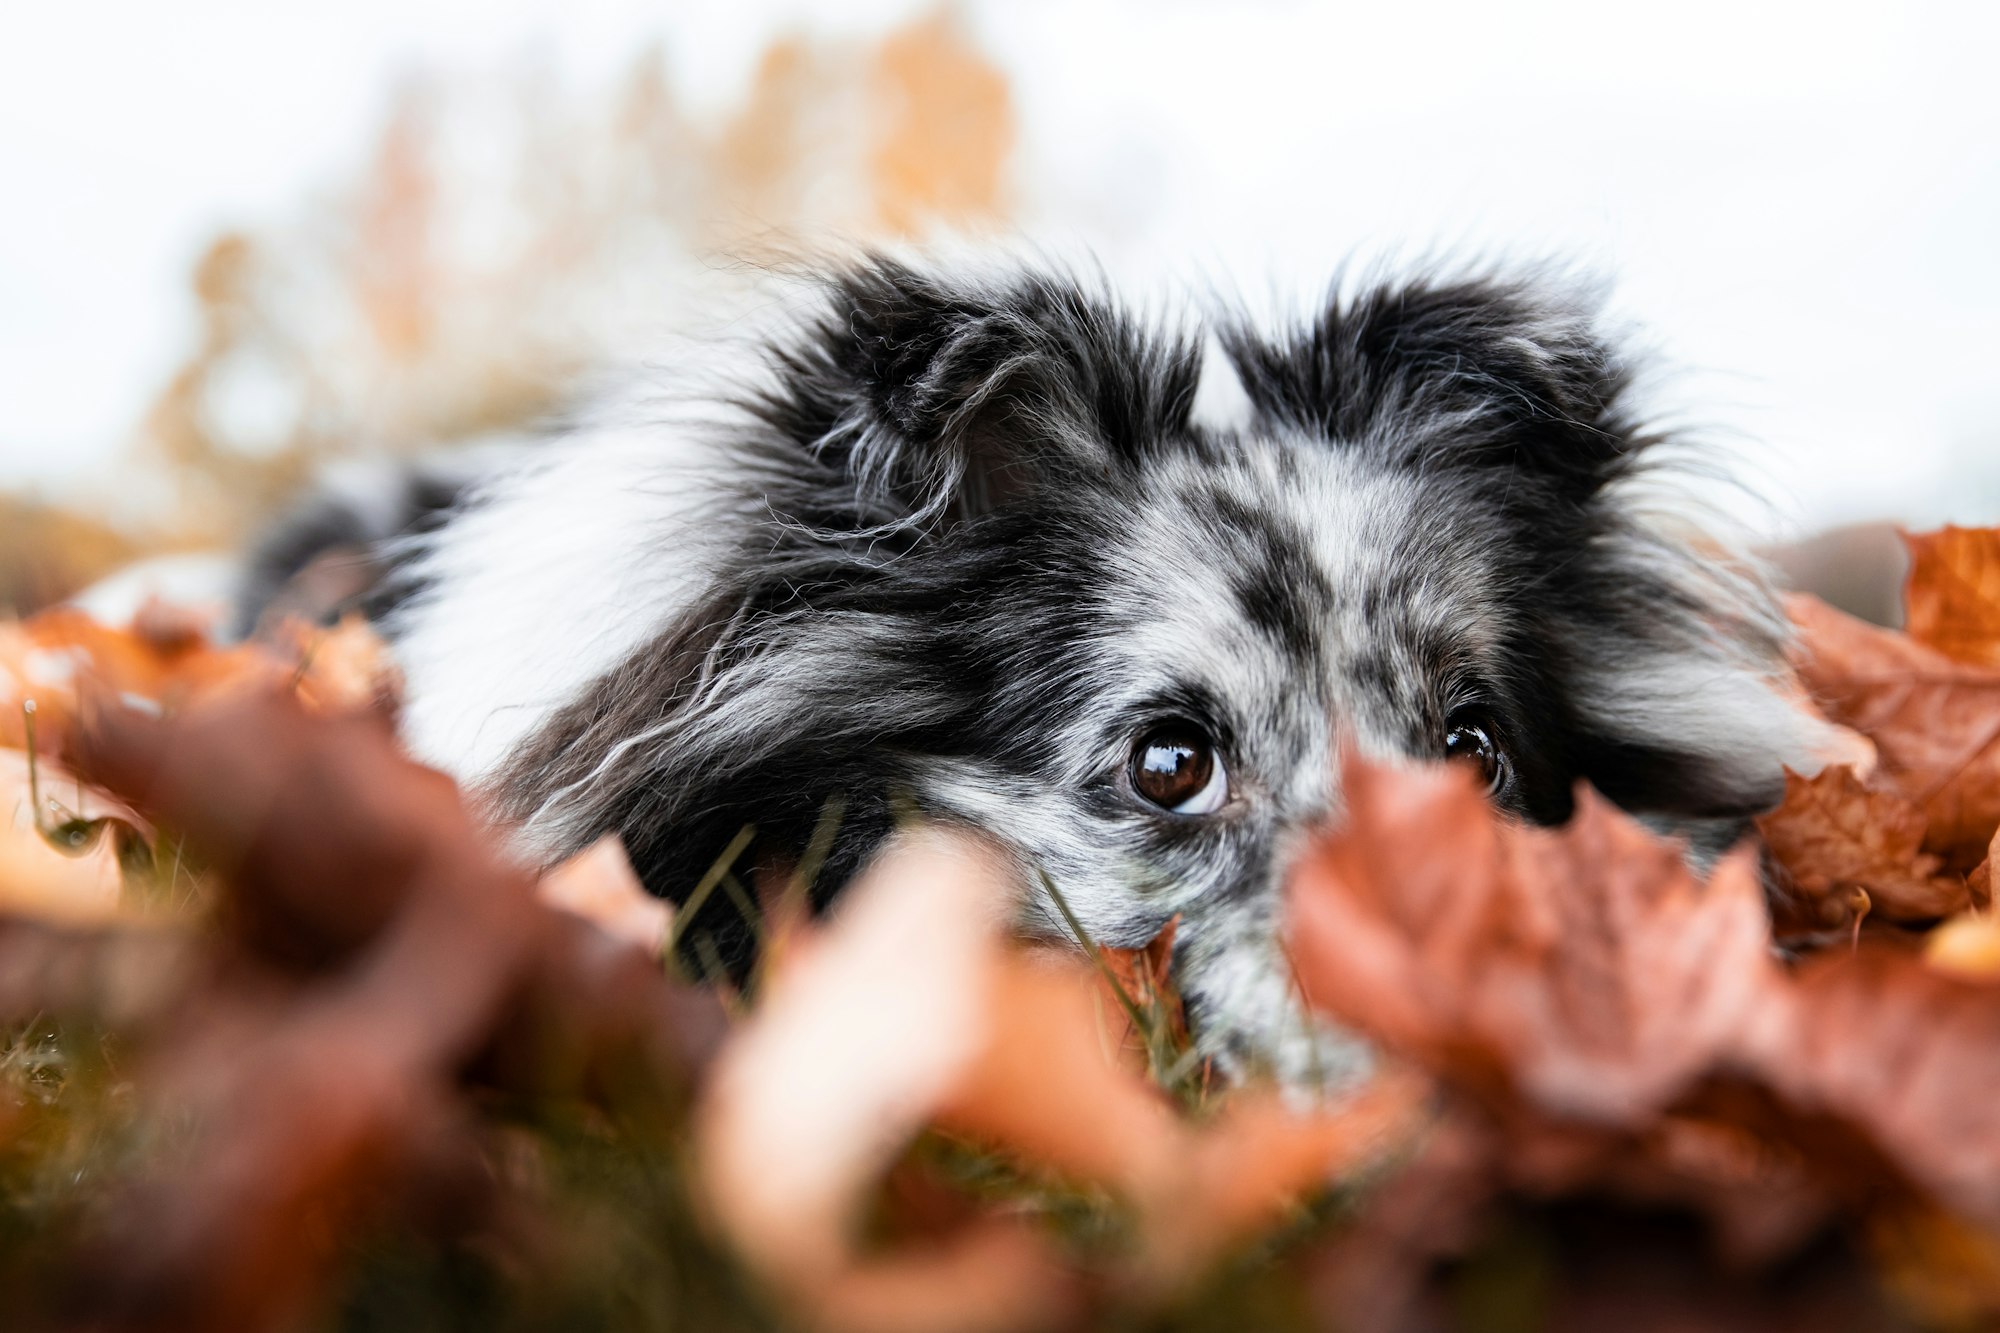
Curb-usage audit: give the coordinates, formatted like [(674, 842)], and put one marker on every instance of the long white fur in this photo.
[(556, 572)]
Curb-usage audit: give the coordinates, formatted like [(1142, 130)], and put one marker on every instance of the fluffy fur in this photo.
[(954, 544)]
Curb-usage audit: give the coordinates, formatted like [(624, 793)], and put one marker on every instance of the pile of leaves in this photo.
[(288, 1041)]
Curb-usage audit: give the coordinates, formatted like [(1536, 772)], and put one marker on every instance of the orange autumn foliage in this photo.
[(1568, 1015), (1952, 599)]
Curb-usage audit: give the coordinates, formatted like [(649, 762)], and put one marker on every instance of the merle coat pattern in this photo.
[(964, 546)]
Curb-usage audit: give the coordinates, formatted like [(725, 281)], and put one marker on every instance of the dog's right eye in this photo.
[(1176, 767)]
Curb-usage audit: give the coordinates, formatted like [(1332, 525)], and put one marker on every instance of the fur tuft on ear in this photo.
[(1682, 707), (1475, 373), (1660, 651), (946, 398)]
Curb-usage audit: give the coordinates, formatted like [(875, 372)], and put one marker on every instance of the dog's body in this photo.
[(995, 551)]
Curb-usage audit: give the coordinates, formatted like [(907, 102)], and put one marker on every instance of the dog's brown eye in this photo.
[(1176, 768), (1471, 740)]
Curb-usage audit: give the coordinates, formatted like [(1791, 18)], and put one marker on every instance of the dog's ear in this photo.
[(953, 397), (1472, 374)]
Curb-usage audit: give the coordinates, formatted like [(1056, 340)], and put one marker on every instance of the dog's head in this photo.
[(1118, 595)]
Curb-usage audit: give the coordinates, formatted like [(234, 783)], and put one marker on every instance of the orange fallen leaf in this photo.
[(862, 1032), (909, 1010), (1935, 721), (1942, 1267), (1622, 1029), (599, 885), (44, 659), (164, 662), (343, 669), (1882, 1041), (1260, 1157), (1833, 833), (1041, 1083), (1967, 947), (1584, 969), (1951, 600)]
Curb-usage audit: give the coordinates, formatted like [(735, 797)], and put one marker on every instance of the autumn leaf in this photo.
[(1833, 833), (1623, 1025), (309, 1089), (911, 1009), (45, 658), (864, 1031), (1584, 969), (345, 668), (162, 663), (1967, 946), (1935, 721), (1944, 1268), (1905, 1054), (1951, 601), (599, 885)]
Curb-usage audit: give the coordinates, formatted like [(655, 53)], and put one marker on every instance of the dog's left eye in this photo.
[(1471, 738), (1177, 768)]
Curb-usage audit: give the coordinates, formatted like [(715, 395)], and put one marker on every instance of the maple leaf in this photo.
[(1901, 1051), (1951, 600), (1834, 833), (1623, 1029), (1935, 721), (1584, 969)]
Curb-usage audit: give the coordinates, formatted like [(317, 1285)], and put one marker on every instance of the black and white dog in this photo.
[(1001, 551)]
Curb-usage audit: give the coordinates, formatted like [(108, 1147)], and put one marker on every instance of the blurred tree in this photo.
[(503, 240)]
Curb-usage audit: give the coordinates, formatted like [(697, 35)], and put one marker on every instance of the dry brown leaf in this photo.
[(306, 1092), (1878, 1040), (44, 659), (1143, 978), (1046, 1084), (1951, 601), (1834, 833), (909, 1010), (345, 669), (1967, 947), (1584, 969), (1622, 1030), (863, 1032), (1945, 1269), (599, 885), (1044, 1089), (993, 1275), (1260, 1157), (1935, 721), (165, 662)]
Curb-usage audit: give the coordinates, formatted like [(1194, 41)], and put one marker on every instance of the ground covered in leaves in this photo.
[(288, 1042)]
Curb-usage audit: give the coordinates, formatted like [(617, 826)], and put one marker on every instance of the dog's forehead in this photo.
[(1296, 579)]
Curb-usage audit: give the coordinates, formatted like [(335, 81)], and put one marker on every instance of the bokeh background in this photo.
[(241, 238)]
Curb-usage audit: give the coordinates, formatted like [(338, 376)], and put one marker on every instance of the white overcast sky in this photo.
[(1800, 202)]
